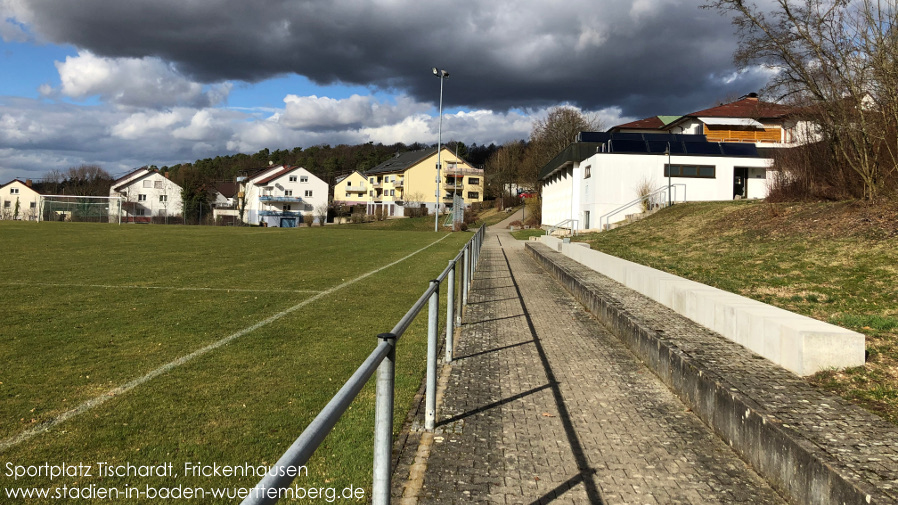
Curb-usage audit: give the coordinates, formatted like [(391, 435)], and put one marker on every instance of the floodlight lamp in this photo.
[(435, 71)]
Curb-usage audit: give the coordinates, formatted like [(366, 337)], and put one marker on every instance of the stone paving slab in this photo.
[(812, 445), (543, 405)]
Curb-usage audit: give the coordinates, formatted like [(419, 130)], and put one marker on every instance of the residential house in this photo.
[(281, 196), (223, 199), (747, 120), (409, 179), (18, 201), (600, 177), (351, 189), (146, 193)]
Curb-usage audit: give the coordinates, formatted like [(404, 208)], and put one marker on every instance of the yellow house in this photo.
[(409, 180), (352, 189)]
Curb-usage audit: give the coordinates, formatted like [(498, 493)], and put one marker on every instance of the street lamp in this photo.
[(669, 170), (442, 74)]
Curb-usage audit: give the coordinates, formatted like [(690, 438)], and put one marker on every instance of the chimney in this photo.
[(166, 175), (28, 182)]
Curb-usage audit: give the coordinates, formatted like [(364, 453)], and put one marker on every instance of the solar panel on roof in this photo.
[(628, 146), (627, 136), (706, 148), (659, 147), (593, 137), (733, 149)]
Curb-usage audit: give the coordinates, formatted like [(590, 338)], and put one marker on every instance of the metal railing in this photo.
[(383, 359), (572, 222), (605, 219)]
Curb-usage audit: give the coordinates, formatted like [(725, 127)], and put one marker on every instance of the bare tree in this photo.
[(321, 213), (503, 167), (837, 58), (552, 135)]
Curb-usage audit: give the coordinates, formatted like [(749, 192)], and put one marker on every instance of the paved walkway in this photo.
[(543, 405)]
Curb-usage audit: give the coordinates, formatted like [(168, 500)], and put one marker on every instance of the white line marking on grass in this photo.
[(124, 388), (166, 288)]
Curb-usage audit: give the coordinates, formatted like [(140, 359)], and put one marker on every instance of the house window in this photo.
[(474, 180), (371, 180), (159, 185), (587, 172), (14, 191), (163, 198), (698, 171), (286, 208), (6, 204), (288, 192), (33, 205), (392, 192), (148, 184), (371, 193), (304, 178), (141, 198), (308, 193), (292, 178), (139, 212), (473, 194)]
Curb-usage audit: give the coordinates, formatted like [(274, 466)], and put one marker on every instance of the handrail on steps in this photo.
[(605, 219), (572, 222)]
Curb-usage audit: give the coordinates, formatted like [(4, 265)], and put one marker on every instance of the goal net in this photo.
[(93, 209)]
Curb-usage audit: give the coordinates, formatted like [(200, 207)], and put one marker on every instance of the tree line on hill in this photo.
[(508, 168), (325, 161)]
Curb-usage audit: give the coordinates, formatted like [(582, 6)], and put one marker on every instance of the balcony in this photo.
[(279, 213), (377, 185), (398, 184), (459, 170), (355, 189), (284, 199)]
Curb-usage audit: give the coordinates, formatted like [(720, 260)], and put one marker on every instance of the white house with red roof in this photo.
[(146, 194), (18, 201), (747, 120), (281, 196)]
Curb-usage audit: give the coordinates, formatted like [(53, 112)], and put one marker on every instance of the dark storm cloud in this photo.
[(646, 56)]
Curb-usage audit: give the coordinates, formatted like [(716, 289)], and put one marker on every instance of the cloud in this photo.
[(502, 54), (136, 82), (38, 135), (328, 114)]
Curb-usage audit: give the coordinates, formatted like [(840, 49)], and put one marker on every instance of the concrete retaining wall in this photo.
[(798, 343), (800, 469)]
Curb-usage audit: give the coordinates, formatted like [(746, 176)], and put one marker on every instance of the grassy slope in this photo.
[(63, 342), (837, 262)]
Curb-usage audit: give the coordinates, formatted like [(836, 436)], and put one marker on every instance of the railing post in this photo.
[(467, 267), (383, 425), (433, 316), (450, 311), (459, 265)]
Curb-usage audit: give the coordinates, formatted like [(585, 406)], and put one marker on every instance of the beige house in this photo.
[(146, 194), (18, 201), (352, 189), (409, 180)]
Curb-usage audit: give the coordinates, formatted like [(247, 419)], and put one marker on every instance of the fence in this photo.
[(383, 359)]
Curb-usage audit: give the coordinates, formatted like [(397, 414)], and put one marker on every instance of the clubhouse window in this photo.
[(698, 171)]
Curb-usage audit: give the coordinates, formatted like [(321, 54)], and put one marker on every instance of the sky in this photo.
[(123, 84)]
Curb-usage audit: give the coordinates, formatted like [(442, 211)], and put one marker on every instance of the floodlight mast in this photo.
[(442, 74)]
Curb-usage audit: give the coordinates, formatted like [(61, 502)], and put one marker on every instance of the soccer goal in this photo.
[(92, 209)]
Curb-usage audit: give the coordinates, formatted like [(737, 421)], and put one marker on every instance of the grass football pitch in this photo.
[(96, 317)]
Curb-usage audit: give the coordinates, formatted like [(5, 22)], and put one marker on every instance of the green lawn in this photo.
[(832, 261), (89, 307)]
